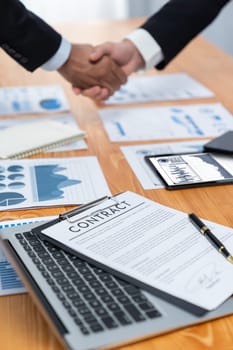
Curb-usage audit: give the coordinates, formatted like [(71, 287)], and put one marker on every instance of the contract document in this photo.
[(154, 246)]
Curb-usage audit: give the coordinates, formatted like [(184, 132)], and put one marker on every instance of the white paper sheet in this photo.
[(66, 119), (158, 123), (154, 244), (32, 99), (28, 183), (10, 283), (135, 156), (177, 86)]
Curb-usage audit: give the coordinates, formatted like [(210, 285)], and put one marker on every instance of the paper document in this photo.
[(153, 244), (165, 87), (10, 283), (135, 156), (29, 183), (158, 123), (32, 99)]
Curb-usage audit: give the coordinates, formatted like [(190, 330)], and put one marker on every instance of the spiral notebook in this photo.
[(33, 137)]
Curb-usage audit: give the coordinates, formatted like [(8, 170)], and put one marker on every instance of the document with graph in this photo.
[(10, 282), (164, 87), (162, 123), (32, 99), (30, 183)]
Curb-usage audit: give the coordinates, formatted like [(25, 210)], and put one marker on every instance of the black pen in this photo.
[(205, 231)]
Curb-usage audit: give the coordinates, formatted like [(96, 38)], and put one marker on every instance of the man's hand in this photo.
[(84, 74), (124, 53)]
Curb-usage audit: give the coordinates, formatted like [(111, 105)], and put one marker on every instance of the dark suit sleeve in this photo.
[(26, 37), (178, 22)]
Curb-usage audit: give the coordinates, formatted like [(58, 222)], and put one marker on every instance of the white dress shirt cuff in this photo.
[(147, 46), (59, 58)]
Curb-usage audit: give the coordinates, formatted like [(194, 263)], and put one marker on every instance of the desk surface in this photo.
[(22, 326)]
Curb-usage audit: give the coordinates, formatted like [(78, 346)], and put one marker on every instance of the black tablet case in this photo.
[(221, 144)]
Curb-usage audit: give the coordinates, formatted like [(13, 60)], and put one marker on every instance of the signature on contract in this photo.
[(204, 278)]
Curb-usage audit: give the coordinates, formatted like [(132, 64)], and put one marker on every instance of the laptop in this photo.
[(87, 307)]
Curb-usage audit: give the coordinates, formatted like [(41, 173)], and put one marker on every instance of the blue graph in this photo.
[(11, 198), (50, 103), (8, 277), (50, 183)]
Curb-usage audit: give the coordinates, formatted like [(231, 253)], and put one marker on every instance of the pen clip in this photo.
[(70, 213)]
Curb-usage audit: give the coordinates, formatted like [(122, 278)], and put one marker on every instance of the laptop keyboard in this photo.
[(95, 299)]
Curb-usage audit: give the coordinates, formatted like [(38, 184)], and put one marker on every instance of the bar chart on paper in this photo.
[(9, 280), (10, 283)]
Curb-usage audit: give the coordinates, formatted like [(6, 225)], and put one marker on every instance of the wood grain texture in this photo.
[(21, 325)]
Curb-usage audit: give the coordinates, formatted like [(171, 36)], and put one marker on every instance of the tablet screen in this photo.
[(189, 169)]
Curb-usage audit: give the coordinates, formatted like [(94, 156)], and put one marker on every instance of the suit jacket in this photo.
[(26, 37), (179, 21)]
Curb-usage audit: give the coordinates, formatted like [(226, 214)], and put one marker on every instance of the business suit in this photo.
[(26, 37), (178, 22)]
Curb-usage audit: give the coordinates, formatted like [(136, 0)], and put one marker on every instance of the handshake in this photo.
[(97, 72)]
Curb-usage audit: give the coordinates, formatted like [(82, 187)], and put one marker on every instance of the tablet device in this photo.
[(189, 170), (222, 144)]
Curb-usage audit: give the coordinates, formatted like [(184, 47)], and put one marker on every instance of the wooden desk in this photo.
[(21, 325)]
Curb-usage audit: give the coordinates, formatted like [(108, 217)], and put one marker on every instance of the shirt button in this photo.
[(17, 56), (5, 46), (11, 51), (23, 60)]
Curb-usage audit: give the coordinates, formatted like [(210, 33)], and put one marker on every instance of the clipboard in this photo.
[(69, 217)]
